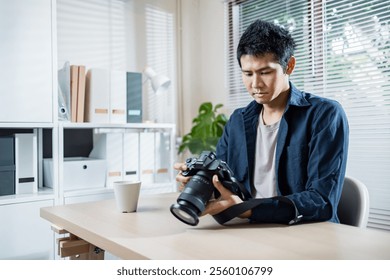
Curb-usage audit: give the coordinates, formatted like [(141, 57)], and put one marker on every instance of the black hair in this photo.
[(262, 37)]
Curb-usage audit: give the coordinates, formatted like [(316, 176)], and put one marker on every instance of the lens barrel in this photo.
[(192, 201)]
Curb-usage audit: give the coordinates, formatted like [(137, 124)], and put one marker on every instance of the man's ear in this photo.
[(290, 65)]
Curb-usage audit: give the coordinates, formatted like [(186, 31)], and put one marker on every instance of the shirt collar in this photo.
[(297, 97)]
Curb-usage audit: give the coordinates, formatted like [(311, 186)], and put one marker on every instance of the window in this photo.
[(343, 52), (160, 53), (93, 33), (114, 35)]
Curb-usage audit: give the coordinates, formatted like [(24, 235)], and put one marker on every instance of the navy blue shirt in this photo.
[(310, 160)]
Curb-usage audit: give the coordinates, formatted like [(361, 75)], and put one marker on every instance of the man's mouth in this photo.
[(258, 93)]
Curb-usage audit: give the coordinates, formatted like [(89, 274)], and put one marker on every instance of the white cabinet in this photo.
[(29, 102), (24, 234), (26, 106), (26, 70), (88, 197)]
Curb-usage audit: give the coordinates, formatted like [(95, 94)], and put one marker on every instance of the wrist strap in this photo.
[(246, 205)]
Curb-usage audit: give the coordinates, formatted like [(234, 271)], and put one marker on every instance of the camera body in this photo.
[(200, 189), (208, 163)]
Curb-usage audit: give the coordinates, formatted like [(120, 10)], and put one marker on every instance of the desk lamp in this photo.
[(159, 82)]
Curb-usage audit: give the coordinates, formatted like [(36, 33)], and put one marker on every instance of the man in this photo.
[(286, 143)]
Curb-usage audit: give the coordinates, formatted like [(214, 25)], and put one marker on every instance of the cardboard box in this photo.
[(79, 173)]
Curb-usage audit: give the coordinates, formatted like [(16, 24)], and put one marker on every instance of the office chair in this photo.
[(354, 203)]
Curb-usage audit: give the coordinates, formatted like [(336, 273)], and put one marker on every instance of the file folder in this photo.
[(97, 96), (7, 165), (117, 96), (109, 146), (163, 160), (134, 97), (131, 156), (147, 161), (26, 163)]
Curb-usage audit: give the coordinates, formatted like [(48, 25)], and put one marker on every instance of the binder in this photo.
[(109, 146), (97, 96), (7, 165), (74, 76), (147, 161), (134, 97), (113, 96), (117, 97), (80, 94), (7, 180), (26, 163), (131, 156), (114, 158), (64, 84), (163, 161)]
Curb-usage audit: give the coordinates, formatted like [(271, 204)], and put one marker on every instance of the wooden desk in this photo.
[(154, 233)]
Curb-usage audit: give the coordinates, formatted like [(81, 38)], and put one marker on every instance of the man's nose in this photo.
[(257, 81)]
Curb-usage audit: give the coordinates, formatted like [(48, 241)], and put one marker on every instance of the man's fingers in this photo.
[(218, 185), (182, 179), (215, 207), (179, 166)]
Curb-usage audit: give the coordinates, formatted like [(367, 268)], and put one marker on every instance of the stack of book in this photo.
[(77, 92), (99, 95)]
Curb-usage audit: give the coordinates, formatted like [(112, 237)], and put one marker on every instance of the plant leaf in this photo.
[(206, 130), (217, 107)]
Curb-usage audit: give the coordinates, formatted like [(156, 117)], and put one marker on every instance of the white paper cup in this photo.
[(126, 195)]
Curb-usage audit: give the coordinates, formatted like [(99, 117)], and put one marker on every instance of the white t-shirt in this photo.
[(264, 172)]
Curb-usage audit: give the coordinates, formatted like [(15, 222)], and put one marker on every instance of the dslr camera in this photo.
[(200, 189)]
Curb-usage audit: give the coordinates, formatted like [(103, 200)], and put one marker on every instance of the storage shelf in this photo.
[(116, 125), (42, 194), (81, 192), (153, 188), (26, 125), (145, 188)]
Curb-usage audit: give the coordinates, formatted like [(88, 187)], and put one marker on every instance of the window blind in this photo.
[(343, 50), (92, 33), (160, 53), (113, 34)]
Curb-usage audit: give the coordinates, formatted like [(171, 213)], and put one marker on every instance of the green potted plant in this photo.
[(206, 130)]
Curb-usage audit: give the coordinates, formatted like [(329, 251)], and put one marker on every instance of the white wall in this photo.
[(200, 49), (202, 56), (213, 51)]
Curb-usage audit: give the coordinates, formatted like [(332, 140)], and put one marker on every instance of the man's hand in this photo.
[(179, 166), (226, 200)]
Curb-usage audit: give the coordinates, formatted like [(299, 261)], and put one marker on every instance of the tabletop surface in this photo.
[(154, 233)]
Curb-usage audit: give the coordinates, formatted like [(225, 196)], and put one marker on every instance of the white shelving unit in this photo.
[(169, 185), (28, 104), (24, 234), (43, 193), (28, 91)]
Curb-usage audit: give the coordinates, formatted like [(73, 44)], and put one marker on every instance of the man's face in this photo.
[(264, 78)]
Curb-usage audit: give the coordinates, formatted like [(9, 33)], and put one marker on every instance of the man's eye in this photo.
[(265, 73), (247, 74)]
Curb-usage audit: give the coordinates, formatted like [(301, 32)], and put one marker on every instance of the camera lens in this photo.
[(185, 212), (192, 201)]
